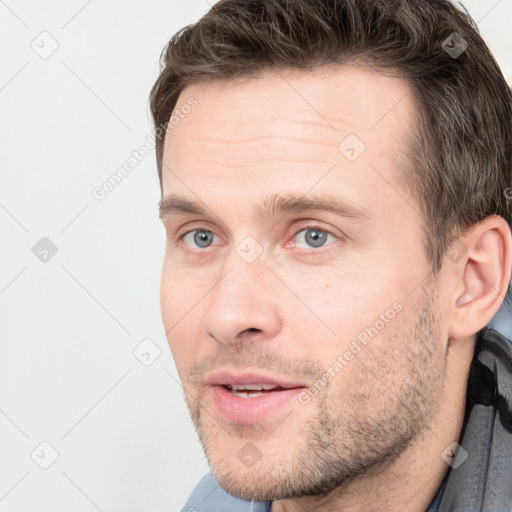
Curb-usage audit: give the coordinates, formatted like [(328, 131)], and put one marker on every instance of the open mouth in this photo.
[(252, 390), (250, 403), (250, 395)]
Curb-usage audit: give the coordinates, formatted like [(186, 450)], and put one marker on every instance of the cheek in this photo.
[(373, 357), (167, 292), (180, 292), (183, 342), (345, 303), (366, 323), (181, 316)]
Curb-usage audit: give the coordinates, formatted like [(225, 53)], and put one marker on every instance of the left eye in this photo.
[(314, 236)]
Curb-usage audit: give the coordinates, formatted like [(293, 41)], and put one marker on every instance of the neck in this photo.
[(413, 479)]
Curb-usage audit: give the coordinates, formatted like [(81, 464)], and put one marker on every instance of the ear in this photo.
[(479, 267)]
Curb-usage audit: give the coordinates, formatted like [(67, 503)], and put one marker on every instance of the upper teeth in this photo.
[(253, 387)]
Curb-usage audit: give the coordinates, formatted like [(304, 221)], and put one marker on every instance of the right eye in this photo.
[(201, 238)]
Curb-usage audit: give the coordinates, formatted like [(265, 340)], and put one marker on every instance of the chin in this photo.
[(249, 485)]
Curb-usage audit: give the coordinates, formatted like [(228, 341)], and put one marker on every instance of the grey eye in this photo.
[(201, 237), (315, 237)]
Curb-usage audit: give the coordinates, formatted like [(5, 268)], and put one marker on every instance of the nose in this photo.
[(243, 304)]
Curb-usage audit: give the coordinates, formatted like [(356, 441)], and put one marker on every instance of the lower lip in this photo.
[(250, 410)]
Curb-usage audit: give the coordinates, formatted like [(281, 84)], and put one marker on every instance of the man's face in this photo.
[(330, 306)]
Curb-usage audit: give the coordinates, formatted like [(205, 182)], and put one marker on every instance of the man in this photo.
[(336, 196)]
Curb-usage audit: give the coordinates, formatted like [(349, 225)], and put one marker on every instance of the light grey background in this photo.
[(70, 325)]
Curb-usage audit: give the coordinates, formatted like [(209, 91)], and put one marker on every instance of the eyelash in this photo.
[(298, 230)]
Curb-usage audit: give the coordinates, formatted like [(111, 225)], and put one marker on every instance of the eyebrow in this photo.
[(272, 205)]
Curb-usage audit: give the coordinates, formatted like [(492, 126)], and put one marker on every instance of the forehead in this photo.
[(288, 128)]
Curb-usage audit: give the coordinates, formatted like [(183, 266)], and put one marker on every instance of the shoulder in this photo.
[(209, 496)]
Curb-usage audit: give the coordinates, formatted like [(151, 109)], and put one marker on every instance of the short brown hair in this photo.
[(460, 154)]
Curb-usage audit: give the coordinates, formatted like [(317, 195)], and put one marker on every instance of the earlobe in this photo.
[(482, 276)]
